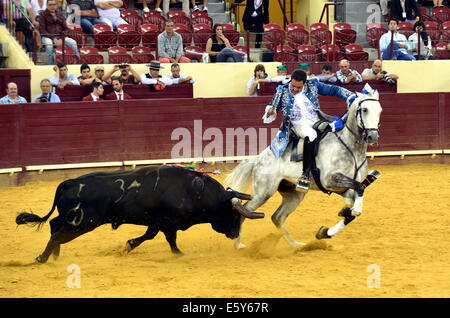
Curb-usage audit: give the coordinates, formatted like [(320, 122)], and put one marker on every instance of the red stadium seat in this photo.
[(69, 55), (442, 52), (76, 32), (273, 36), (318, 26), (374, 31), (202, 33), (118, 54), (320, 34), (175, 13), (193, 52), (90, 55), (308, 53), (440, 15), (355, 52), (284, 53), (433, 31), (297, 36), (142, 54), (202, 19), (182, 19), (406, 28), (127, 35), (230, 33), (195, 14), (183, 30), (331, 52), (446, 31), (425, 15), (134, 20), (104, 37), (128, 12), (344, 34), (149, 33), (295, 26), (242, 51), (272, 26), (154, 17)]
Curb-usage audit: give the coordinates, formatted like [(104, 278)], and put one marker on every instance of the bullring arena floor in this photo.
[(404, 230)]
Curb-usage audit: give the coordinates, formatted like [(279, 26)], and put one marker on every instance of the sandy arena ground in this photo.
[(404, 230)]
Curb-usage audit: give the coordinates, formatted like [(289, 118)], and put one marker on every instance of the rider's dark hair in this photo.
[(299, 75)]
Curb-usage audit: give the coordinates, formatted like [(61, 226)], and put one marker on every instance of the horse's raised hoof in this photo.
[(239, 246), (40, 260), (128, 247), (322, 233), (355, 212)]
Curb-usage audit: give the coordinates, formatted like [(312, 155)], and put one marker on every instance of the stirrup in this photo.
[(303, 185)]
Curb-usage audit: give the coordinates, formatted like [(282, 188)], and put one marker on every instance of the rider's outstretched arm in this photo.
[(333, 90)]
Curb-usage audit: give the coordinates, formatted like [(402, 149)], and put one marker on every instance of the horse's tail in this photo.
[(33, 219), (239, 179)]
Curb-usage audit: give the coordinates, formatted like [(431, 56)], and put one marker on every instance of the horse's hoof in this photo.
[(322, 233), (39, 259), (296, 244), (356, 213), (128, 248), (239, 246)]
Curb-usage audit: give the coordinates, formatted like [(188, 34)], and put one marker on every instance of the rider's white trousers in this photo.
[(304, 128)]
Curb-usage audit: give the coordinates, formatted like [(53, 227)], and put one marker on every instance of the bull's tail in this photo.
[(239, 179), (33, 219)]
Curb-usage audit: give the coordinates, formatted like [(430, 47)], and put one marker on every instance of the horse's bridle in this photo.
[(361, 121)]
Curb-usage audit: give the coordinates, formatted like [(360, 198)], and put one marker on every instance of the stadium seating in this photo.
[(343, 34), (118, 54), (202, 32), (440, 15), (284, 53), (142, 54), (104, 37), (69, 55), (273, 36), (331, 52), (127, 36), (195, 14), (76, 32), (320, 35), (355, 52), (230, 33), (149, 33), (374, 31), (154, 17), (90, 55), (446, 31), (242, 51), (405, 28), (183, 30), (193, 52), (202, 19), (442, 51), (433, 31), (297, 35), (308, 53)]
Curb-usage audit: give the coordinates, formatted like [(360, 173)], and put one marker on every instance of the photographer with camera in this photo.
[(46, 96), (259, 76), (127, 73), (376, 73), (346, 75)]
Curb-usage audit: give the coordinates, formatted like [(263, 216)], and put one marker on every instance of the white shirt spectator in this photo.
[(36, 6), (176, 80), (111, 16), (250, 83)]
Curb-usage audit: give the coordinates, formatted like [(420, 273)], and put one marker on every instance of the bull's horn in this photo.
[(246, 213), (240, 195)]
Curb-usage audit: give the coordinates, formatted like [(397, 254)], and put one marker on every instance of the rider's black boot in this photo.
[(308, 150)]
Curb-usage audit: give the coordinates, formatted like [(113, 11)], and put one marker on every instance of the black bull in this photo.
[(164, 198)]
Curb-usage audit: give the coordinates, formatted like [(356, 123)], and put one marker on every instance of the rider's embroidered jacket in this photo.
[(284, 100)]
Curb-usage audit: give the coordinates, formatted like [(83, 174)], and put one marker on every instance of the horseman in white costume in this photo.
[(299, 101)]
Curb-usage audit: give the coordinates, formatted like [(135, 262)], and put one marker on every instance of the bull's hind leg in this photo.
[(291, 199), (171, 237), (133, 243)]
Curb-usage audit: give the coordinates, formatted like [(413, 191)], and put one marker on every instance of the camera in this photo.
[(122, 66), (43, 99), (387, 78), (262, 76)]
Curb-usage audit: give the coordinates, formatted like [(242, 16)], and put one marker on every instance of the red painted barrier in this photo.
[(73, 132)]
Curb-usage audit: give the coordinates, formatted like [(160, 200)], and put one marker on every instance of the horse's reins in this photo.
[(364, 137)]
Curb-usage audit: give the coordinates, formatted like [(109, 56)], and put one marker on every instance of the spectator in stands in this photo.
[(118, 93), (259, 76), (21, 12), (306, 67), (425, 43), (154, 78), (219, 48), (46, 95), (346, 75), (51, 25), (99, 72), (145, 6), (196, 8), (62, 77), (12, 96), (384, 9), (327, 75), (256, 14), (166, 4), (177, 78), (402, 10), (110, 12), (127, 73), (87, 11), (170, 45), (400, 44), (38, 6), (86, 78), (438, 3), (96, 92), (377, 73), (282, 75)]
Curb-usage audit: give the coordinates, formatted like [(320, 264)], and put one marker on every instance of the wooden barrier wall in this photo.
[(74, 132)]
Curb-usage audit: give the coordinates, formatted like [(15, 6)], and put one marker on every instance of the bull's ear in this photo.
[(234, 194)]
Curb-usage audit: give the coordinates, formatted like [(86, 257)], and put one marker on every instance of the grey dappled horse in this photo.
[(342, 162)]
